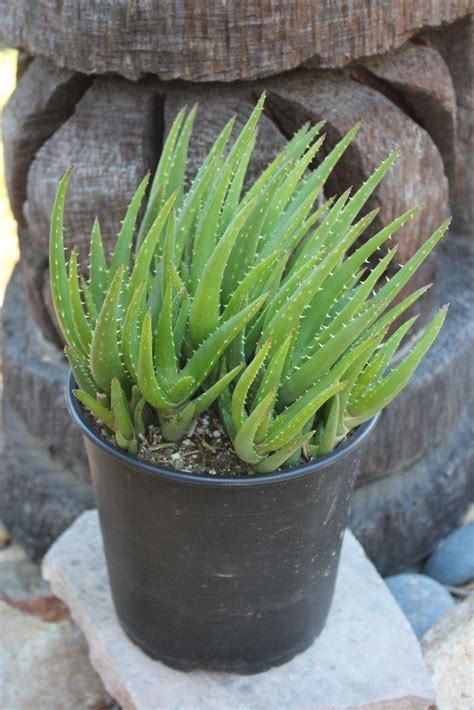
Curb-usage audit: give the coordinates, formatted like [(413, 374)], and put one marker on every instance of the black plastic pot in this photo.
[(221, 572)]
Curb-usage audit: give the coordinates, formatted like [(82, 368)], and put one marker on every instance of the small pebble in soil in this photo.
[(452, 563), (422, 599), (205, 449)]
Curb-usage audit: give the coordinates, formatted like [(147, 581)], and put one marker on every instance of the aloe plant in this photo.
[(258, 302)]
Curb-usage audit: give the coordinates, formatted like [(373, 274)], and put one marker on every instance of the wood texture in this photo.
[(215, 40), (418, 175), (34, 377), (42, 101), (456, 44), (417, 79), (399, 520), (112, 139)]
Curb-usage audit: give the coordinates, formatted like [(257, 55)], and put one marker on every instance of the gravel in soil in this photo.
[(205, 449)]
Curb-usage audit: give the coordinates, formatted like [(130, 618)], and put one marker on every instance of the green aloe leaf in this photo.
[(132, 327), (96, 408), (288, 425), (325, 356), (385, 391), (125, 431), (244, 442), (159, 184), (253, 282), (81, 324), (123, 247), (271, 463), (98, 270), (204, 314), (105, 353), (400, 279), (144, 258), (204, 401), (242, 387), (165, 354), (271, 381), (328, 437), (204, 359), (148, 383), (92, 311), (81, 373), (380, 361), (58, 270)]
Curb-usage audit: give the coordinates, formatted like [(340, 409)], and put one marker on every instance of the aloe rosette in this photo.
[(260, 303)]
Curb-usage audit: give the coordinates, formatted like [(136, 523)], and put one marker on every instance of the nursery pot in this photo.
[(232, 573)]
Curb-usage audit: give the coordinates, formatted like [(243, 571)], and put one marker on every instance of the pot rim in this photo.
[(259, 479)]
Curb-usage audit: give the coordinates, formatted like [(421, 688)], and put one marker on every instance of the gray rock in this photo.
[(449, 653), (45, 665), (422, 599), (347, 667), (452, 562)]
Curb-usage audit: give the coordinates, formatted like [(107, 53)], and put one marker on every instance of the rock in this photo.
[(44, 98), (113, 139), (452, 563), (449, 653), (215, 41), (416, 177), (22, 586), (45, 665), (422, 600), (346, 667)]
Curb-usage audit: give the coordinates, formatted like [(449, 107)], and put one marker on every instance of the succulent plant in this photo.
[(261, 302)]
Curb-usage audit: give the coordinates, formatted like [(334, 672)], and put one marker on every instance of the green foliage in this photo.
[(262, 303)]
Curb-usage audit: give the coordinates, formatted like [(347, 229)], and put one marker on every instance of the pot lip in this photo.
[(256, 479)]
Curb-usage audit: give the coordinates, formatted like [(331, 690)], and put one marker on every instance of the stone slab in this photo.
[(44, 666), (367, 656), (449, 653)]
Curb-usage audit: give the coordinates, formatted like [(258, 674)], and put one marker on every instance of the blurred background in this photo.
[(9, 237)]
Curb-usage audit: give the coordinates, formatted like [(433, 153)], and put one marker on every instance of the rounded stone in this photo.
[(452, 562), (422, 599)]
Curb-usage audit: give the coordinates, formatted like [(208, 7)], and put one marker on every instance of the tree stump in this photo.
[(99, 87)]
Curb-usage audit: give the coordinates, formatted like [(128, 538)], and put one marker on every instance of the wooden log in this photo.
[(43, 100), (34, 378), (418, 175), (33, 267), (216, 40), (112, 139), (417, 79), (456, 44), (216, 105), (40, 495), (400, 519)]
